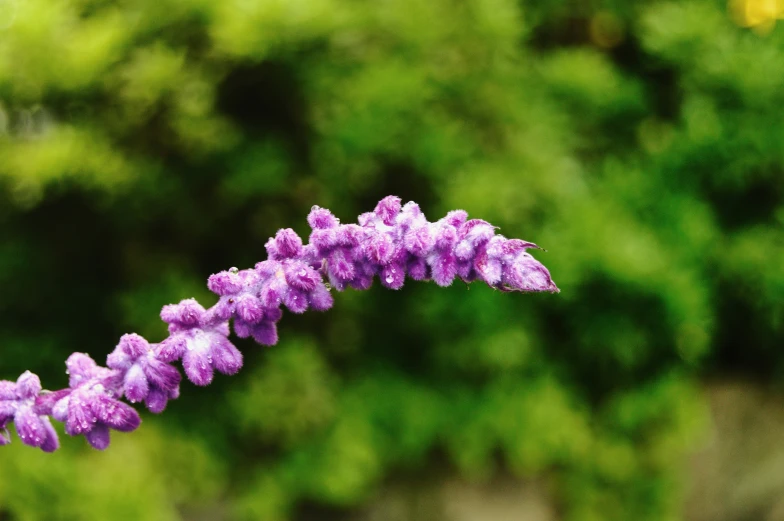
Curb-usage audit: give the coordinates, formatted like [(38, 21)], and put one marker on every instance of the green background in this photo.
[(145, 144)]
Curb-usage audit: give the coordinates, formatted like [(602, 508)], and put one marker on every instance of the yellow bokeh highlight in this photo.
[(760, 15)]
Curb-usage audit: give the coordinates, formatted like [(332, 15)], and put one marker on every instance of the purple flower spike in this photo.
[(391, 242)]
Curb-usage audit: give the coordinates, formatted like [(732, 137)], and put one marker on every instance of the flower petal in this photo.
[(241, 328), (380, 248), (51, 441), (30, 428), (321, 218), (135, 385), (340, 265), (226, 358), (220, 312), (249, 308), (28, 385), (444, 268), (7, 390), (7, 411), (119, 359), (296, 301), (301, 276), (80, 369), (419, 242), (60, 409), (266, 333), (225, 283), (172, 348), (197, 365), (157, 400), (528, 274), (185, 314), (98, 437), (285, 245), (393, 276), (161, 374), (134, 345), (80, 418), (115, 414), (387, 209), (320, 298)]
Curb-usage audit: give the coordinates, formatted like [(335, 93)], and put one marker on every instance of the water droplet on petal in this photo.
[(389, 279), (234, 269)]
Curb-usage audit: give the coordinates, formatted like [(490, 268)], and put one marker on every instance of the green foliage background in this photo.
[(145, 144)]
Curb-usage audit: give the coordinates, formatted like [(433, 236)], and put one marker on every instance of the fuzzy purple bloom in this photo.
[(203, 346), (18, 404), (92, 407), (147, 377), (392, 242)]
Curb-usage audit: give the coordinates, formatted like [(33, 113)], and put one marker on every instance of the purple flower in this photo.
[(253, 298), (391, 242), (91, 408), (203, 347), (285, 245), (147, 377), (18, 404), (504, 264)]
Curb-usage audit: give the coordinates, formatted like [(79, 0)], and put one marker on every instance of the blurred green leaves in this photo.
[(147, 144)]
